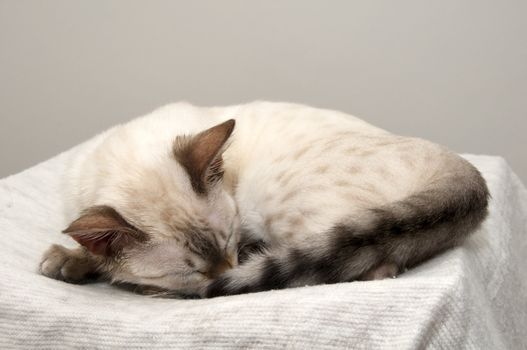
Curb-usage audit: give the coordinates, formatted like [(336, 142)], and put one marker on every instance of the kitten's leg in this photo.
[(70, 265)]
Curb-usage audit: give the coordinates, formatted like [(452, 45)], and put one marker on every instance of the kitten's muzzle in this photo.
[(220, 267)]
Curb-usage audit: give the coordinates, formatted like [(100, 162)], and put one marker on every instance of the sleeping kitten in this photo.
[(169, 199)]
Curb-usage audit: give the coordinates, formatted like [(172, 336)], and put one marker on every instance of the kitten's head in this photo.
[(170, 226)]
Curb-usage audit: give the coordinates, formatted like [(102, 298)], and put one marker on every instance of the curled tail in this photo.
[(401, 234)]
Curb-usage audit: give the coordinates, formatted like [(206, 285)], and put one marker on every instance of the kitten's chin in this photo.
[(157, 292), (192, 293), (202, 294), (199, 293)]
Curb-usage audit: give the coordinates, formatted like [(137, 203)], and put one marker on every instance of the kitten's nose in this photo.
[(232, 260), (220, 267)]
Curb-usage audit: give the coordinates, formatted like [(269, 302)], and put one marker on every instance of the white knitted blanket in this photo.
[(474, 296)]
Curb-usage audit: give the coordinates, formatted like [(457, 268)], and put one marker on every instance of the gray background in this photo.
[(452, 71)]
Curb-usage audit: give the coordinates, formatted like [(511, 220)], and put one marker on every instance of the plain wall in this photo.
[(451, 71)]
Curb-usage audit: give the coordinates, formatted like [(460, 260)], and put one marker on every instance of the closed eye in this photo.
[(168, 274)]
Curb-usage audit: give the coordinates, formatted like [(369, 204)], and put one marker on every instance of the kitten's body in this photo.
[(333, 198)]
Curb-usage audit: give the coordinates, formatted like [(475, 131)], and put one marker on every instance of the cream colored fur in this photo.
[(292, 172)]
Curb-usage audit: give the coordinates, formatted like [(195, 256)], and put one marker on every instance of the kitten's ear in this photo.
[(200, 155), (103, 231)]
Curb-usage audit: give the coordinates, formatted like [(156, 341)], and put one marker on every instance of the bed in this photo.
[(474, 296)]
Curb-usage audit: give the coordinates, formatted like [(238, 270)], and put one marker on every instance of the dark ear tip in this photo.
[(227, 127), (231, 123)]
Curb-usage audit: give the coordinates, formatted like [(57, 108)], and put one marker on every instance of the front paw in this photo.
[(69, 265)]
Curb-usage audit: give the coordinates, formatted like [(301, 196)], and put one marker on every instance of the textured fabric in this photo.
[(474, 296)]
